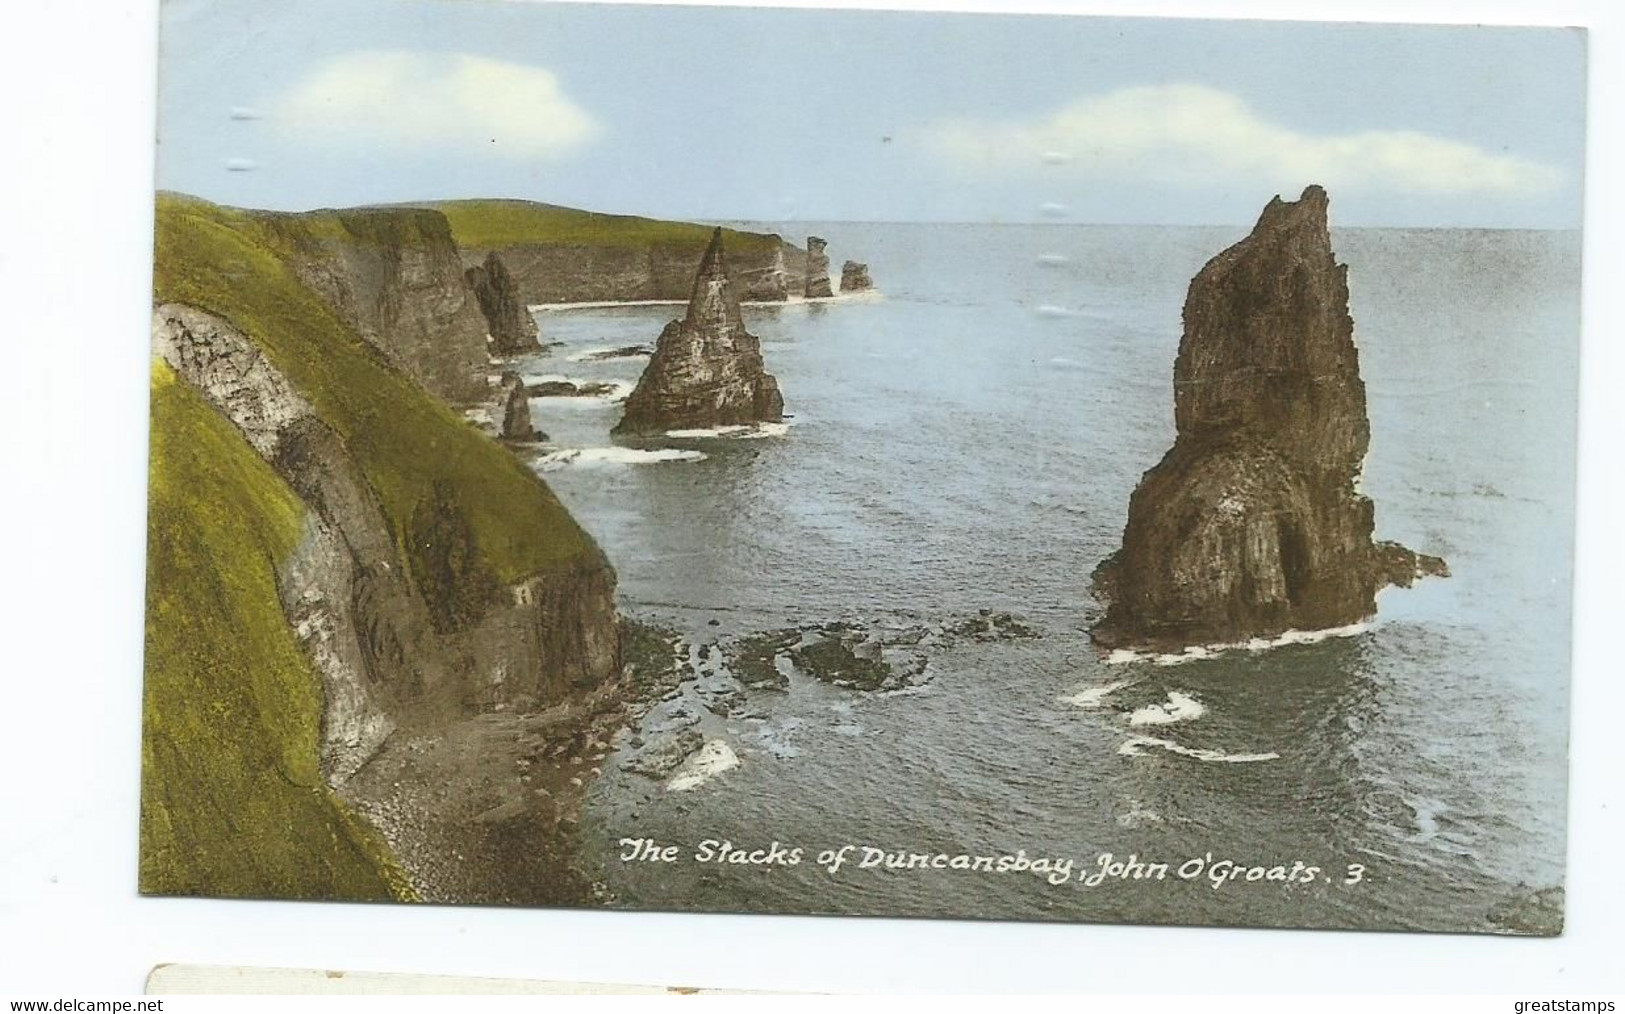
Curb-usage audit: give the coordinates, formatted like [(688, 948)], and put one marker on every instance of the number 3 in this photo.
[(1356, 873)]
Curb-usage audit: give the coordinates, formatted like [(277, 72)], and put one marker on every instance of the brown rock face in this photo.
[(1252, 524), (817, 269), (395, 275), (510, 325), (707, 370), (855, 277)]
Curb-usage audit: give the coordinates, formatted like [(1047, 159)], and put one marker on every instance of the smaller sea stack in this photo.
[(512, 329), (817, 285), (855, 277), (707, 370), (516, 424), (1253, 523)]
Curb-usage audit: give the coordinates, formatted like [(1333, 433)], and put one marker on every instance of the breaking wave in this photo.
[(713, 759), (1094, 697), (1135, 747), (1121, 656), (753, 432), (1180, 708), (589, 456)]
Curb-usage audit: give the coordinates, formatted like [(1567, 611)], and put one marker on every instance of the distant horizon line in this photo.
[(747, 220)]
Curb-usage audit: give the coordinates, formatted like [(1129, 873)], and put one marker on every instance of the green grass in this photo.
[(234, 264), (233, 802), (492, 223)]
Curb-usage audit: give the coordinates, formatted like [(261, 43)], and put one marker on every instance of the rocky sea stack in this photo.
[(817, 284), (1253, 523), (508, 322), (707, 369), (855, 277), (516, 424)]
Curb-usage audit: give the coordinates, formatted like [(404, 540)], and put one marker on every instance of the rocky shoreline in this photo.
[(486, 811)]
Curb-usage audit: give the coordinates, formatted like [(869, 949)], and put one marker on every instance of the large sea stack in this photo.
[(1253, 523), (817, 284), (508, 322), (855, 277), (707, 370)]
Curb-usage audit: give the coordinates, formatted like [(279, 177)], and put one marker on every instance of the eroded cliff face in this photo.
[(578, 273), (1253, 524), (512, 329), (707, 370), (816, 285), (396, 276), (408, 626)]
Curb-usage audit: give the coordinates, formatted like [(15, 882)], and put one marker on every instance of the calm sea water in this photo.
[(969, 442)]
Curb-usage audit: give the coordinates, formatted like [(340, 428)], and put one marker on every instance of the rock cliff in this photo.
[(396, 276), (1253, 523), (512, 329), (395, 630), (855, 277), (816, 285), (707, 370), (565, 255), (420, 576)]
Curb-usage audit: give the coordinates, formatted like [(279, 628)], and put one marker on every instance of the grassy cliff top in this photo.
[(232, 797), (238, 265), (502, 223)]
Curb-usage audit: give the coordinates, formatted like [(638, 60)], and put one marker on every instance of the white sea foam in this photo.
[(1051, 310), (1135, 747), (755, 431), (711, 760), (1138, 815), (1180, 708), (861, 296), (1093, 697), (1053, 259), (592, 456), (1199, 651)]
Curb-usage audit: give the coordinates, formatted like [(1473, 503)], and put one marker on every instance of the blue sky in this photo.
[(751, 113)]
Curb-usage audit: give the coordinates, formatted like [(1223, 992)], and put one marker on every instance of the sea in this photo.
[(963, 442)]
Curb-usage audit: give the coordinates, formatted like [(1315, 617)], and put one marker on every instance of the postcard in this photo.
[(863, 463)]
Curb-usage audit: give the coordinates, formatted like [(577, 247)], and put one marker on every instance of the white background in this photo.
[(76, 97)]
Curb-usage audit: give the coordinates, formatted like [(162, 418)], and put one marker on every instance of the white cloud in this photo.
[(406, 102), (1193, 134)]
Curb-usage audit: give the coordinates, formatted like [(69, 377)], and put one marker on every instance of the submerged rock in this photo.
[(570, 389), (508, 322), (707, 370), (1253, 524), (855, 277), (623, 352), (817, 284), (516, 424)]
